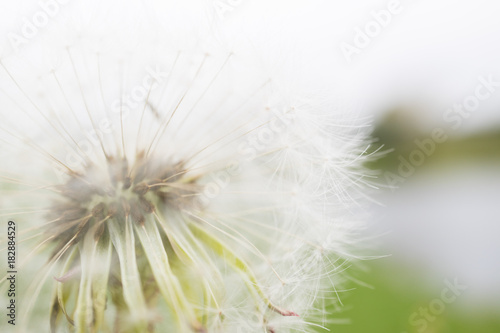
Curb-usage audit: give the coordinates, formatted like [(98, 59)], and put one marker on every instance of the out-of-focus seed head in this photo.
[(170, 184)]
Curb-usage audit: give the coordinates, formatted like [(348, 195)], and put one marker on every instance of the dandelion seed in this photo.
[(181, 193)]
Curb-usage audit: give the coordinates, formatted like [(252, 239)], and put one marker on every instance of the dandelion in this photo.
[(163, 189)]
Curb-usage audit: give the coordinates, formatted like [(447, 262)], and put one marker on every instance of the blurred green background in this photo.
[(443, 225)]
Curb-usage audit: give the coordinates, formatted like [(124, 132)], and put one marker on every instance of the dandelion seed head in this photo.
[(174, 184)]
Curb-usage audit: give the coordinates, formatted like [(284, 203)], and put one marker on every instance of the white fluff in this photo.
[(276, 171)]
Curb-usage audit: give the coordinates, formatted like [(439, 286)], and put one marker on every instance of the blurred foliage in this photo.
[(397, 293), (399, 129), (387, 307)]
